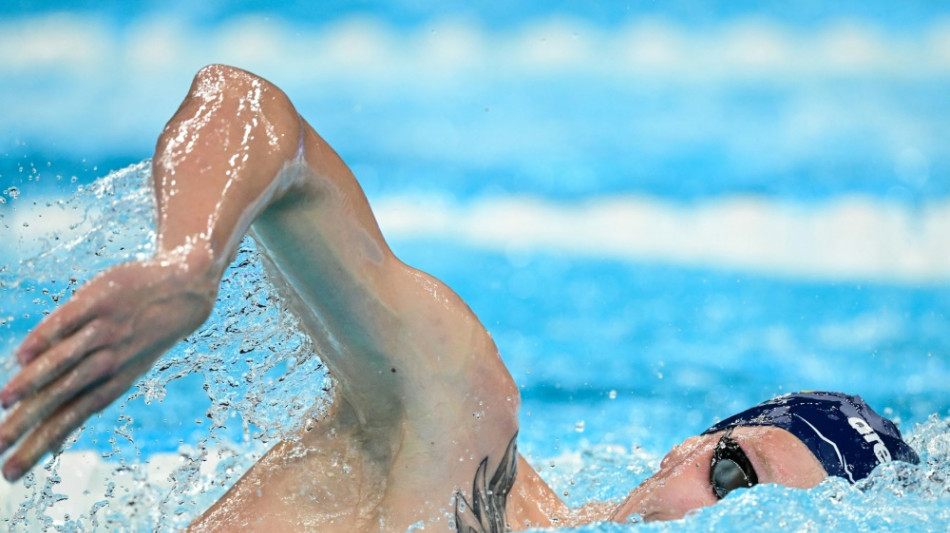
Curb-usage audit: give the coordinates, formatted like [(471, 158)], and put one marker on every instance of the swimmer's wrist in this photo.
[(192, 265)]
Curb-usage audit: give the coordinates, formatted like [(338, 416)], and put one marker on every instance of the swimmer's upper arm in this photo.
[(402, 343)]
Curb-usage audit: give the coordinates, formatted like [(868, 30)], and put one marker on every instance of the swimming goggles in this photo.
[(730, 468)]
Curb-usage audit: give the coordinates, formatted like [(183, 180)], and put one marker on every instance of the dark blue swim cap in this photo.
[(842, 431)]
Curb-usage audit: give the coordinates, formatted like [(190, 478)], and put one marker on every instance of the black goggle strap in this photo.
[(730, 468)]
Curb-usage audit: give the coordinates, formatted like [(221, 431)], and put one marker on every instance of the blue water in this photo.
[(912, 13), (618, 357), (617, 361)]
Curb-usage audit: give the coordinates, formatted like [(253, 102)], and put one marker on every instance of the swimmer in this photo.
[(422, 428)]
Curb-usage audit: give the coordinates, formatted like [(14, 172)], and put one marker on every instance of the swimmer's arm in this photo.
[(408, 353), (216, 167)]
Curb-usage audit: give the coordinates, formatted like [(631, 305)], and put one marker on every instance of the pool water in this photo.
[(663, 212), (617, 360)]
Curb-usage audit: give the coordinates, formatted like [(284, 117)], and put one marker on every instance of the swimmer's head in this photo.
[(796, 440), (846, 436)]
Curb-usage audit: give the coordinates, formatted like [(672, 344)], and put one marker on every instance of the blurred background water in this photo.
[(664, 212)]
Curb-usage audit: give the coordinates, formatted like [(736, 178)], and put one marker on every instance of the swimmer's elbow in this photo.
[(218, 78), (233, 96)]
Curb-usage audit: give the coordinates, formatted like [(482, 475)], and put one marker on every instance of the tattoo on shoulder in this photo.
[(486, 512)]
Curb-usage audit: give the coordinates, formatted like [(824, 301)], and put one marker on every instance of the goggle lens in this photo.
[(731, 468), (728, 476)]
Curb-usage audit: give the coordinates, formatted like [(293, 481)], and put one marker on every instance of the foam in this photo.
[(368, 47), (146, 65), (84, 479), (848, 238), (909, 497)]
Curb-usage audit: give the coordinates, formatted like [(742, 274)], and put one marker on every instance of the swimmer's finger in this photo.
[(33, 409), (51, 364), (50, 435), (61, 323)]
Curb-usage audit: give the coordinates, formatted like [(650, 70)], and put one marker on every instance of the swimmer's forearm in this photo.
[(217, 166)]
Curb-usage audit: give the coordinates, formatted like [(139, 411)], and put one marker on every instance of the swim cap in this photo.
[(846, 436)]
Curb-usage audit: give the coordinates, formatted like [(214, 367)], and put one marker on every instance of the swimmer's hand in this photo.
[(92, 349)]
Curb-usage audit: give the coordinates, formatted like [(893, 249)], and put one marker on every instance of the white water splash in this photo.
[(256, 370)]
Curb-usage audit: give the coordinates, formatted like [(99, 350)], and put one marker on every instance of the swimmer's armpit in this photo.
[(486, 512)]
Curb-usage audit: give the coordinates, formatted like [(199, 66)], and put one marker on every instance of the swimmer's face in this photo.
[(683, 482)]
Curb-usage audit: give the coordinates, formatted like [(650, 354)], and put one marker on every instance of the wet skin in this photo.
[(682, 483)]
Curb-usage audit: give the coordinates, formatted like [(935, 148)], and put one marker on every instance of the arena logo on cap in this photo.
[(871, 436)]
